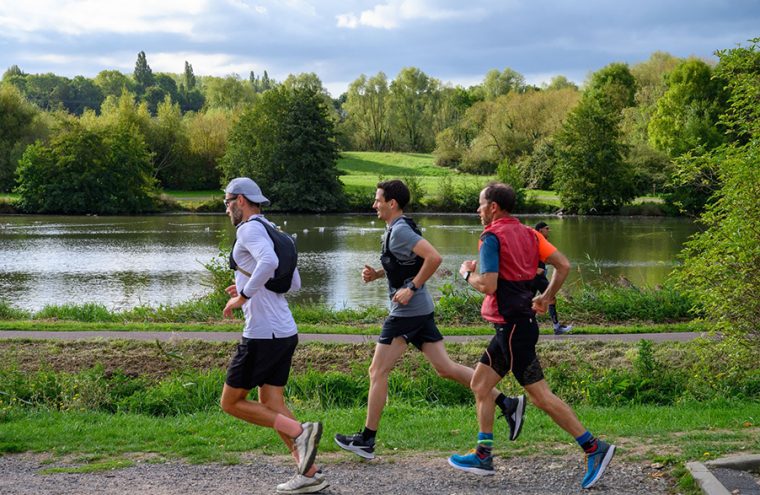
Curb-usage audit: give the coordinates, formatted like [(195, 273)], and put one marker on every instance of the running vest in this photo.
[(518, 259), (284, 249), (397, 271)]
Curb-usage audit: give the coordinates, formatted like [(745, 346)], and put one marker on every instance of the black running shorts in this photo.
[(261, 362), (416, 330), (513, 348)]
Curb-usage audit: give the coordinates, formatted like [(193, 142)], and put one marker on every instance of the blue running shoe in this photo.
[(597, 463), (473, 464)]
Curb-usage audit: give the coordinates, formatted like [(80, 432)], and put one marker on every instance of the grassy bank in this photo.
[(588, 308)]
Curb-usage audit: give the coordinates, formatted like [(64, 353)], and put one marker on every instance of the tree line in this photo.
[(629, 131)]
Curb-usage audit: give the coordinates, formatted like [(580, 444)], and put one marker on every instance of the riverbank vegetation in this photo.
[(628, 132), (458, 306)]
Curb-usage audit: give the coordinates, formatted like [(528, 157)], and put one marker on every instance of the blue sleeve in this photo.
[(489, 254)]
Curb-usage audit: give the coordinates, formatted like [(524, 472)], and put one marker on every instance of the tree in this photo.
[(207, 133), (411, 109), (87, 171), (113, 83), (142, 75), (367, 116), (286, 142), (591, 174), (497, 83), (170, 147), (16, 116), (228, 93), (687, 114), (189, 76), (560, 82), (720, 262), (84, 94)]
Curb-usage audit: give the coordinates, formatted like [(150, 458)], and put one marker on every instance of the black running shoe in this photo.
[(514, 411), (357, 444)]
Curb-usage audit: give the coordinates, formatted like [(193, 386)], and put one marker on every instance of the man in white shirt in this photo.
[(269, 340)]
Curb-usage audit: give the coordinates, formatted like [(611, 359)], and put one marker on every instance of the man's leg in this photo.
[(480, 462), (386, 355), (599, 453), (234, 402), (382, 363), (272, 398)]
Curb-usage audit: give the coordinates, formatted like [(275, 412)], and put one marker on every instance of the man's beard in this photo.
[(236, 216)]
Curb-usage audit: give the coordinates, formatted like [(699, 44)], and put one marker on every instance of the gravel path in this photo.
[(308, 337), (391, 475)]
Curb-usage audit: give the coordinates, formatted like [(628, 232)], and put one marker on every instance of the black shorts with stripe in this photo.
[(261, 362), (513, 348)]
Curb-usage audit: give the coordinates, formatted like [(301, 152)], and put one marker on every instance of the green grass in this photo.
[(93, 467), (684, 432), (362, 169)]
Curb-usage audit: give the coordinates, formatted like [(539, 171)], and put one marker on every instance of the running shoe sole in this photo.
[(602, 468), (308, 489), (473, 470), (356, 450)]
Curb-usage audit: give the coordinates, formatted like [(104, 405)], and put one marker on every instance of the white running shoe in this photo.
[(303, 484)]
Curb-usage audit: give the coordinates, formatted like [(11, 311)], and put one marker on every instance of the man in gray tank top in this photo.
[(408, 262)]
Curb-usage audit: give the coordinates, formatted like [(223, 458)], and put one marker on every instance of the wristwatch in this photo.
[(411, 286), (467, 275)]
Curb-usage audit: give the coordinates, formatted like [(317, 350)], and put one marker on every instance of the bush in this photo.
[(87, 171)]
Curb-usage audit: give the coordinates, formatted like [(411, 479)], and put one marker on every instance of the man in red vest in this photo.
[(509, 254)]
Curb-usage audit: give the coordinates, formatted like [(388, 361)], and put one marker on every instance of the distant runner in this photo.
[(542, 282)]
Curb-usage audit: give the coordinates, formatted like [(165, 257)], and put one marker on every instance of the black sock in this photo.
[(506, 404), (368, 434), (590, 446)]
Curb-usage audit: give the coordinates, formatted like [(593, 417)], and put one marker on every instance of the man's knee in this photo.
[(378, 372), (227, 404)]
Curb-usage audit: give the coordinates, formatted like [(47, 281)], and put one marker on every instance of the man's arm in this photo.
[(561, 269), (482, 282), (433, 260)]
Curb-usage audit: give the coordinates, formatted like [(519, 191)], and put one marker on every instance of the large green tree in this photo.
[(286, 142), (412, 108), (367, 120), (591, 174), (686, 117), (87, 171)]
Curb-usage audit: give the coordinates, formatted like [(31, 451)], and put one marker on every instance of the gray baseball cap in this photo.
[(248, 188)]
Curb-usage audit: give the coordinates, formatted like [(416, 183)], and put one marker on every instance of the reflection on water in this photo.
[(122, 262)]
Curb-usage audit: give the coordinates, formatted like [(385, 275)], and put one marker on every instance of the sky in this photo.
[(455, 41)]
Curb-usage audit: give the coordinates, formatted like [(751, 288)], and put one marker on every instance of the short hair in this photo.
[(540, 225), (501, 194), (395, 189)]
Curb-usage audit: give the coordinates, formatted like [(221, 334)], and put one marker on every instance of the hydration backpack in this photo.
[(285, 250)]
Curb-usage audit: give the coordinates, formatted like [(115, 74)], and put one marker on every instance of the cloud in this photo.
[(20, 20), (393, 14)]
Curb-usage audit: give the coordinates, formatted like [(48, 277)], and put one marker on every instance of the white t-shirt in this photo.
[(267, 314)]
